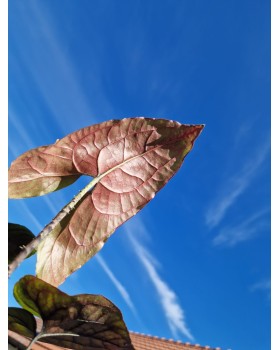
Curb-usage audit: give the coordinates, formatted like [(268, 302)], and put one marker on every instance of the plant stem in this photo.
[(50, 227), (44, 335)]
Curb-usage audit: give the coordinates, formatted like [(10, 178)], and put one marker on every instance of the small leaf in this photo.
[(18, 237), (89, 322), (22, 322), (132, 160), (37, 296)]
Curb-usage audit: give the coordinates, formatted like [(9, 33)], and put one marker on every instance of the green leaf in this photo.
[(22, 322), (83, 321), (18, 237), (37, 296)]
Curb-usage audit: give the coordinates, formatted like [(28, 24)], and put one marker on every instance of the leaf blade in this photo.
[(22, 322), (82, 321), (48, 168), (29, 292), (134, 164), (131, 160)]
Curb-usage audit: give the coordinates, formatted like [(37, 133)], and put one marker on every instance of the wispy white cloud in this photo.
[(51, 206), (231, 236), (23, 135), (264, 285), (121, 289), (234, 187), (61, 72), (30, 215), (169, 301), (241, 133)]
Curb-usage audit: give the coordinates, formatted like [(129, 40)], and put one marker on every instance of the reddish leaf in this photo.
[(40, 171), (83, 321), (49, 168), (133, 159)]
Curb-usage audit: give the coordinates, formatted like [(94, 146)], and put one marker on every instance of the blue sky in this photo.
[(194, 264)]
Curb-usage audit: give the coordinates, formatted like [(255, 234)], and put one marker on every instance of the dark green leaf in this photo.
[(37, 296), (22, 322), (18, 237), (86, 322)]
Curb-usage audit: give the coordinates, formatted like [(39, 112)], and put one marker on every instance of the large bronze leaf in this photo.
[(131, 161), (85, 321)]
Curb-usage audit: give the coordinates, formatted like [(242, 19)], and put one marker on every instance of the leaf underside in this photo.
[(132, 160), (92, 320)]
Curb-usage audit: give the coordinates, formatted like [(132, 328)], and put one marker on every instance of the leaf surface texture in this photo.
[(130, 159), (84, 321)]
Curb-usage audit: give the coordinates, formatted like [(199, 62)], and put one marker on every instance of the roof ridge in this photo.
[(206, 347)]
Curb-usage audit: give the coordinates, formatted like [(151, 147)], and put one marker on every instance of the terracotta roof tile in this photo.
[(147, 342)]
